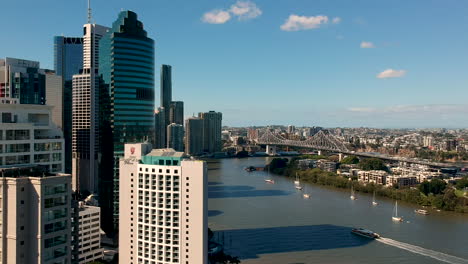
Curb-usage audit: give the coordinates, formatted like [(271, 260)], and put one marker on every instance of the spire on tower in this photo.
[(89, 11)]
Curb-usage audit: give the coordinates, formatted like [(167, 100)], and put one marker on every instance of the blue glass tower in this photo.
[(127, 70), (68, 60)]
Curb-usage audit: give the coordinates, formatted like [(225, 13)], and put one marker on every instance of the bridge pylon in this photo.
[(271, 150)]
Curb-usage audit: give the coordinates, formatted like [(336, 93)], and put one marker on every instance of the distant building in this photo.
[(212, 123), (68, 60), (160, 128), (252, 134), (194, 136), (35, 216), (175, 137), (22, 81), (401, 181), (166, 92), (28, 136), (373, 176), (176, 113), (88, 235), (291, 129), (305, 164), (327, 165), (163, 207), (428, 141)]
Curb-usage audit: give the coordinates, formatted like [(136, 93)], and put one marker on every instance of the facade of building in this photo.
[(163, 207), (175, 137), (85, 113), (194, 136), (22, 81), (327, 165), (35, 216), (88, 234), (401, 181), (211, 131), (28, 136), (176, 113), (68, 60), (127, 71), (373, 176)]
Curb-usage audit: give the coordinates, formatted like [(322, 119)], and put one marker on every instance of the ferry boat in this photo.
[(365, 233), (421, 211), (269, 181)]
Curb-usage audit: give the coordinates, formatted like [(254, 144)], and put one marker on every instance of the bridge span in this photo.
[(324, 141)]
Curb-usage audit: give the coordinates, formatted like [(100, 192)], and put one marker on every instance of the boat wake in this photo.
[(422, 251)]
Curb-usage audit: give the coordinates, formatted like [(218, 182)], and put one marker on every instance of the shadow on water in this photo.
[(238, 191), (215, 183), (250, 243), (214, 213)]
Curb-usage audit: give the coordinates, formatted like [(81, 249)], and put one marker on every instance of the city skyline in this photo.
[(273, 77)]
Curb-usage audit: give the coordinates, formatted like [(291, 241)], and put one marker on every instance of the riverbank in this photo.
[(447, 200)]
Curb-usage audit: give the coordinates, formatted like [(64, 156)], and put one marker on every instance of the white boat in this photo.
[(269, 181), (374, 203), (298, 187), (297, 182), (421, 211), (306, 196), (353, 196), (395, 216)]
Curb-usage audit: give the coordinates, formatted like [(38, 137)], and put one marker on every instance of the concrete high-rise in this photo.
[(35, 216), (68, 60), (163, 207), (175, 137), (85, 113), (194, 136), (211, 131), (22, 81), (127, 71), (176, 112)]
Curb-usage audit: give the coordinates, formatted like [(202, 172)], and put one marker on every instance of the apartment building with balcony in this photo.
[(163, 207), (28, 136), (34, 216)]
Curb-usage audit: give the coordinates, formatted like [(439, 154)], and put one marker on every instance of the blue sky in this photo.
[(301, 62)]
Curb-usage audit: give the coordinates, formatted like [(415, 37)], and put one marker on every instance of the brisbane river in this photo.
[(273, 223)]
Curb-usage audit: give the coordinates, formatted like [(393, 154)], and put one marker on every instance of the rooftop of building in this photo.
[(18, 171), (168, 152)]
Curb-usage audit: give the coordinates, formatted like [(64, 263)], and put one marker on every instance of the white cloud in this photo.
[(391, 73), (296, 23), (361, 109), (367, 45), (245, 10), (336, 20), (216, 17)]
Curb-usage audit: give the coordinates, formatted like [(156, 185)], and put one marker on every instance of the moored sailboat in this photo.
[(374, 203), (395, 216), (353, 196)]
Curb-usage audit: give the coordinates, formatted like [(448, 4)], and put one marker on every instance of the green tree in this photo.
[(350, 160), (463, 183), (372, 164)]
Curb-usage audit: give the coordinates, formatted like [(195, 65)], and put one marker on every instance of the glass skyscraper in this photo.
[(68, 60), (127, 71)]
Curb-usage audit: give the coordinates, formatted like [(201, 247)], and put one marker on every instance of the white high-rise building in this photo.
[(28, 136), (163, 207), (34, 216), (85, 117)]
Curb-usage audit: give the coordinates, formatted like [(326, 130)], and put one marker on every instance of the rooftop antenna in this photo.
[(89, 11)]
